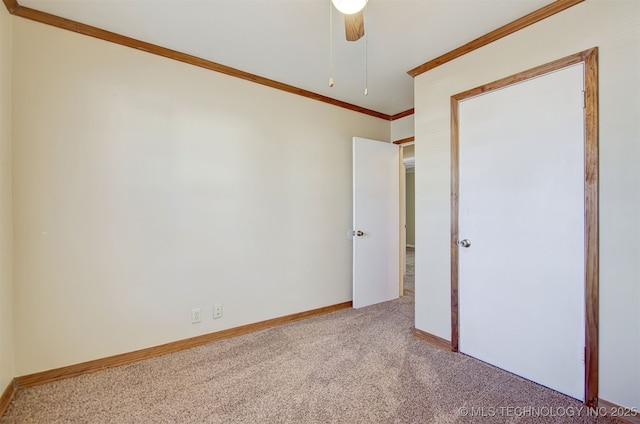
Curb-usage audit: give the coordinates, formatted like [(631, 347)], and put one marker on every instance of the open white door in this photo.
[(376, 222), (522, 264)]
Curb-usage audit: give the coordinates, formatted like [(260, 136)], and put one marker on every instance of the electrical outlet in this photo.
[(217, 310), (196, 316)]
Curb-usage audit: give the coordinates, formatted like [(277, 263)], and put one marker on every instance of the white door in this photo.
[(521, 200), (376, 222)]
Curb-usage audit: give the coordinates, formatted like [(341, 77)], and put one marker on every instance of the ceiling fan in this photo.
[(353, 11)]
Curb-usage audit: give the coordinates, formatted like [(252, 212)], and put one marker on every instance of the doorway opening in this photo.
[(408, 247)]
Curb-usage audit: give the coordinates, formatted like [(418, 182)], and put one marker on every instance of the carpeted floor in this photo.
[(351, 366), (409, 277)]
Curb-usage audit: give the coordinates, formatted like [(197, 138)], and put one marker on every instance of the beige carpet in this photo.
[(351, 366), (409, 277)]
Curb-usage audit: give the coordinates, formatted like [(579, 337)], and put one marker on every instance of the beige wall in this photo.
[(7, 366), (145, 187), (614, 27), (6, 284), (410, 208), (402, 128)]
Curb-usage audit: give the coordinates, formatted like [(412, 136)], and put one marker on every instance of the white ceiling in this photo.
[(288, 40)]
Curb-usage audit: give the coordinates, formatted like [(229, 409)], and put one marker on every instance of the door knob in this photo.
[(464, 243), (354, 233)]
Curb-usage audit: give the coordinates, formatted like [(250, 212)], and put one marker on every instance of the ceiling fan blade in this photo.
[(354, 26)]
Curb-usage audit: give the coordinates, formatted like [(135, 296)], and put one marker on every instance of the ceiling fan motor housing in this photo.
[(349, 7)]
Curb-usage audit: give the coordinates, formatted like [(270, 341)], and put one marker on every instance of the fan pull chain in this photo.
[(330, 44), (366, 67), (366, 53)]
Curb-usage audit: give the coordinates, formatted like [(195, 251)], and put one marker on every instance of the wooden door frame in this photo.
[(403, 209), (403, 221), (590, 60)]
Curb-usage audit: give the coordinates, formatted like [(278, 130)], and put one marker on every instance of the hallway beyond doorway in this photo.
[(409, 277)]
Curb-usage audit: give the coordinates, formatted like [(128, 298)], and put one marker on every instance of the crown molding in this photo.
[(46, 18), (402, 114), (12, 5), (49, 19), (405, 140), (530, 19)]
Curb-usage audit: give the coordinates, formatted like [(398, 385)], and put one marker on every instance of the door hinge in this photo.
[(584, 99)]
